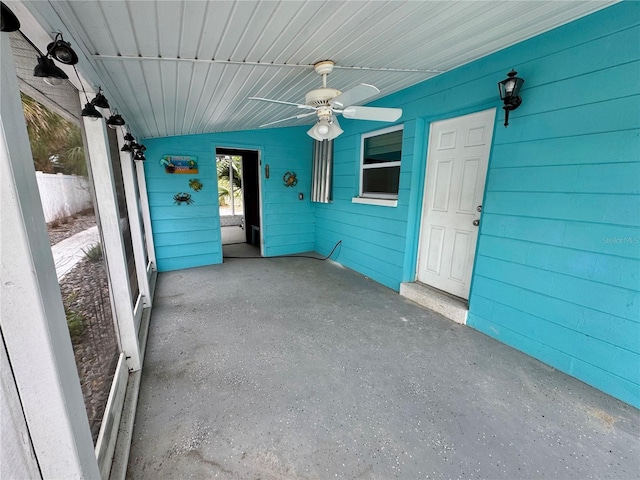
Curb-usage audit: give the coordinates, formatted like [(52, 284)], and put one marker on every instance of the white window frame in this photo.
[(383, 199)]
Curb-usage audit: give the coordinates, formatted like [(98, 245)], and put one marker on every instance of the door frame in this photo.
[(424, 197), (258, 149)]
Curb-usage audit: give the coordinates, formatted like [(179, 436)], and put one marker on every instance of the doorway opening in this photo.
[(239, 200), (457, 161)]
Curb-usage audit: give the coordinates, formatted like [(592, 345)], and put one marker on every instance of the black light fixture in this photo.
[(135, 145), (115, 121), (142, 148), (62, 51), (100, 100), (49, 71), (509, 89), (139, 156), (126, 148), (128, 137), (91, 112), (9, 22), (46, 69)]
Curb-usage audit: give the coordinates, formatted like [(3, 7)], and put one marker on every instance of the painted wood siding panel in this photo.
[(189, 235), (558, 259), (557, 273), (593, 323)]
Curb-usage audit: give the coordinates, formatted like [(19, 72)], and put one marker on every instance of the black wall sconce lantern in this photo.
[(9, 21), (509, 89)]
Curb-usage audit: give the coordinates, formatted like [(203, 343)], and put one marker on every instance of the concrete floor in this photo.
[(292, 368)]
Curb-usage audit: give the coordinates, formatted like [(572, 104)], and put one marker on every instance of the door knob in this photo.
[(476, 222)]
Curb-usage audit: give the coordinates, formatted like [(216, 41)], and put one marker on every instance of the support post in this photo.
[(32, 319), (135, 225), (113, 245), (146, 213)]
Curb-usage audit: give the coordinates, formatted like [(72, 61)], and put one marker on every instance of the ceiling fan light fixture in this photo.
[(326, 128), (49, 71)]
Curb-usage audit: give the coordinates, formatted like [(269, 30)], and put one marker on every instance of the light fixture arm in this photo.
[(52, 45)]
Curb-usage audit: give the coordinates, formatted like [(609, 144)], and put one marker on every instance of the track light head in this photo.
[(62, 51), (46, 69), (115, 121), (91, 112), (100, 100)]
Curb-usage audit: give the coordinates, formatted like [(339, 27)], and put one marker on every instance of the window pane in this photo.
[(124, 218), (383, 148), (381, 180), (75, 245)]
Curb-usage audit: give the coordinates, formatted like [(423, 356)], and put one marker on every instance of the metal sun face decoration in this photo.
[(290, 179)]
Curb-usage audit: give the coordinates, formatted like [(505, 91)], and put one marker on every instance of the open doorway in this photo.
[(239, 200)]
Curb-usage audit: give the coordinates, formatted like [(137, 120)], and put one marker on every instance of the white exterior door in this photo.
[(457, 159)]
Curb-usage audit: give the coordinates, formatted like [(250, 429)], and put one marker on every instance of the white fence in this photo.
[(62, 195)]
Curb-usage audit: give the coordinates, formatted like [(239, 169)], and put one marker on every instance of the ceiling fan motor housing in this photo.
[(320, 96)]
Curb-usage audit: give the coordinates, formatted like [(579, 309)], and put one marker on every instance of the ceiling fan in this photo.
[(326, 103)]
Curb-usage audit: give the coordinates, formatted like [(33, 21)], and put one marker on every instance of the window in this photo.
[(380, 165)]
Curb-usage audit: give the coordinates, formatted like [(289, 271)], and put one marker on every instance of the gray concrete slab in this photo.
[(291, 368)]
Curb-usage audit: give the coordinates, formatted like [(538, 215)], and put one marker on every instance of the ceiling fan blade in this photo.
[(299, 105), (354, 95), (378, 114), (302, 115)]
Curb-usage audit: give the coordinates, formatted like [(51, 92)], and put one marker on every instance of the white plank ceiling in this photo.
[(177, 67)]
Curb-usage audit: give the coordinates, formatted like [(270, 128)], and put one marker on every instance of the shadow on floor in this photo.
[(291, 368)]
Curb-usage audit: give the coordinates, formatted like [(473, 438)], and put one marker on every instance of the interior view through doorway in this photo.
[(239, 201)]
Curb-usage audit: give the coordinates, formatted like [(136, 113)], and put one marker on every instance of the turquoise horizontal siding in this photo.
[(188, 235), (557, 271)]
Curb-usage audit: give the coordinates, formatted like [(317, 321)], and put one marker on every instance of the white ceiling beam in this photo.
[(261, 64)]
